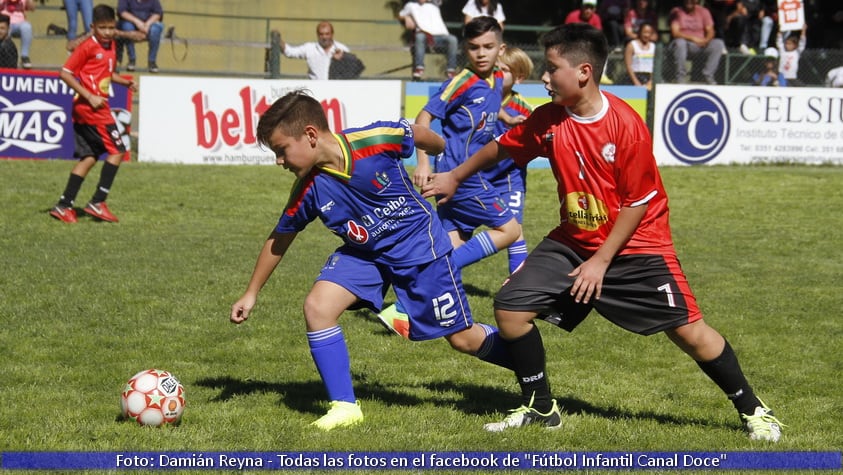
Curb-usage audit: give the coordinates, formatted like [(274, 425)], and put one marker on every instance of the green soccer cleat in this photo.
[(526, 415), (763, 425), (341, 414), (395, 320)]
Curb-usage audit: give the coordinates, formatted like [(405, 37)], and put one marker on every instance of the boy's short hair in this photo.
[(104, 12), (5, 19), (518, 61), (579, 43), (480, 25), (291, 113)]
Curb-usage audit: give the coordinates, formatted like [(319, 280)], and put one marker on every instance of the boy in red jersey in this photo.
[(89, 71), (612, 250)]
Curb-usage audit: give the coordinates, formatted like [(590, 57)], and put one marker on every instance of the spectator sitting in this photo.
[(586, 14), (18, 26), (692, 33), (789, 50), (144, 16), (8, 50), (635, 17), (639, 57), (73, 8), (425, 20), (720, 10), (476, 8), (318, 54), (743, 26), (612, 13), (769, 76)]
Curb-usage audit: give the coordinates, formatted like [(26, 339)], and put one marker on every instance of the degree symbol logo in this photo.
[(696, 126)]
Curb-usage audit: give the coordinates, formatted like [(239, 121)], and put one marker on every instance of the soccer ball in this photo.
[(153, 398)]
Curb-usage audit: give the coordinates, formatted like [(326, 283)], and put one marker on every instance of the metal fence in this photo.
[(249, 46)]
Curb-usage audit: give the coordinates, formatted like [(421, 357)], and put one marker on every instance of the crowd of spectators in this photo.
[(695, 33)]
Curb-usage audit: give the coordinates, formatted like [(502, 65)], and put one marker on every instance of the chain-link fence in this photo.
[(249, 46)]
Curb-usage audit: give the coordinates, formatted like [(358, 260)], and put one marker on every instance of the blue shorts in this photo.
[(475, 204), (432, 294)]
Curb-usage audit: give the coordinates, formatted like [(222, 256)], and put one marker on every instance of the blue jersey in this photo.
[(371, 204), (505, 176), (468, 107)]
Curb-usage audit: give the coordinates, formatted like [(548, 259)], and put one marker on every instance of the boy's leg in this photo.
[(718, 361), (322, 308), (107, 140)]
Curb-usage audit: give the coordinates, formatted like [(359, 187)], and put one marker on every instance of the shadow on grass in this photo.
[(488, 400), (475, 399)]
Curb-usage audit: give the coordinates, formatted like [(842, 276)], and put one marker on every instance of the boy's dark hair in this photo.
[(291, 113), (5, 19), (480, 25), (579, 43), (104, 12)]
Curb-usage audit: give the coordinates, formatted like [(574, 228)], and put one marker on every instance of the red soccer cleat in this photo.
[(100, 211), (64, 214)]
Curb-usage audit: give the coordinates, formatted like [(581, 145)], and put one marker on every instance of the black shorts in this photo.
[(642, 293), (95, 140)]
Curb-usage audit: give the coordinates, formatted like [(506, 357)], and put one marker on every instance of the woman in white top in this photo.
[(476, 8), (639, 56)]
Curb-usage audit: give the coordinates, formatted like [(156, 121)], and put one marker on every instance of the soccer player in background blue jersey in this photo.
[(355, 183), (467, 106), (508, 178)]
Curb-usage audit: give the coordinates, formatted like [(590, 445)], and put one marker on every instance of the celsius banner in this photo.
[(212, 121), (696, 125), (35, 112)]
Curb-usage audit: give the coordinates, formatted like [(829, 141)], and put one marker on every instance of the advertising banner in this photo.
[(212, 120), (35, 114), (696, 125)]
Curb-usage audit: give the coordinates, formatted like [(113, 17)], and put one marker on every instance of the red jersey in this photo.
[(601, 164), (92, 64)]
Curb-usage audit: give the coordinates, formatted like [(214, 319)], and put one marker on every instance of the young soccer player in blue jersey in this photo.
[(506, 177), (355, 183), (467, 106)]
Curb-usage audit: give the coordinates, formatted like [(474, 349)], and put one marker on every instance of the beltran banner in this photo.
[(212, 120), (704, 125), (35, 114)]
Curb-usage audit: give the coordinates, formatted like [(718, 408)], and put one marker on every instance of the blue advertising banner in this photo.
[(35, 114), (421, 461)]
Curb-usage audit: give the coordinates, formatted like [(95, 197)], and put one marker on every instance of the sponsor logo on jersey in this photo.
[(585, 211), (696, 126), (357, 233)]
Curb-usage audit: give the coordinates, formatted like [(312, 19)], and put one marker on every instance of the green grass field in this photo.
[(86, 306)]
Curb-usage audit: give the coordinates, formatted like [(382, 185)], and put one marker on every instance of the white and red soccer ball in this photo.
[(153, 398)]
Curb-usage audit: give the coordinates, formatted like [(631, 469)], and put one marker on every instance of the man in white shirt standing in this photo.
[(425, 19), (317, 53)]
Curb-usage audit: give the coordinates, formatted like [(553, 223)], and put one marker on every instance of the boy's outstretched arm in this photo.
[(271, 254), (422, 172), (428, 140), (444, 185)]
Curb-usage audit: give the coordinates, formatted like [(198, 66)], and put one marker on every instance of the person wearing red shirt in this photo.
[(612, 250), (692, 33), (89, 71), (586, 14)]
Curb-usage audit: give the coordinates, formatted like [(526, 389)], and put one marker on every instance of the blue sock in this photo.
[(331, 357), (493, 350), (517, 254), (476, 248)]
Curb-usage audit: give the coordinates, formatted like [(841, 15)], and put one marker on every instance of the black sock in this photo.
[(107, 175), (529, 361), (74, 182), (726, 373)]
